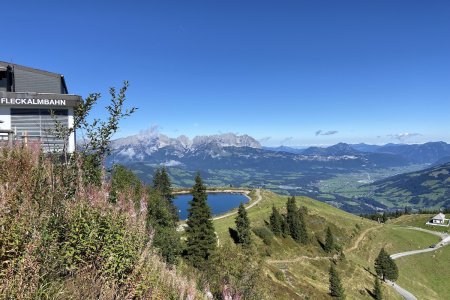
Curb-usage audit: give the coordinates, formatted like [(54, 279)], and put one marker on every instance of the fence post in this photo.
[(10, 139)]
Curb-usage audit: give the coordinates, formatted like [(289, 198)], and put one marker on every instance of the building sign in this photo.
[(32, 101), (38, 99)]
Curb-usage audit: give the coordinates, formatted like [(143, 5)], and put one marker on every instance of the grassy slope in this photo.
[(427, 188), (426, 275), (419, 221), (306, 278)]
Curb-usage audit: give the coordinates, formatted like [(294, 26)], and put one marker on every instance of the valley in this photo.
[(345, 176)]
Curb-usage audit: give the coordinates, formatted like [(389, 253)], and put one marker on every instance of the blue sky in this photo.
[(281, 71)]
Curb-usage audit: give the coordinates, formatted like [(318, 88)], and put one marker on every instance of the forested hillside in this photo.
[(427, 189)]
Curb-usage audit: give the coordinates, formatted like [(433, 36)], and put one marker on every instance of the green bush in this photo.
[(265, 234), (100, 241), (13, 239), (279, 275)]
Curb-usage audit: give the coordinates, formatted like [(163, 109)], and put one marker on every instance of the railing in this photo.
[(6, 135)]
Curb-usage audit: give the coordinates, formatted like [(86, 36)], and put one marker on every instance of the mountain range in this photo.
[(230, 151), (240, 160), (414, 153)]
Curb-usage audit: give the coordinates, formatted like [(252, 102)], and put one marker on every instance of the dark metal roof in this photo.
[(5, 64), (38, 71)]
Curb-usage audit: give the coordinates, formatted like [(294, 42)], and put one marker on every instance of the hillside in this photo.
[(426, 275), (304, 268), (429, 188)]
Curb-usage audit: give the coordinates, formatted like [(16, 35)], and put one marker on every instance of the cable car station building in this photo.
[(28, 98)]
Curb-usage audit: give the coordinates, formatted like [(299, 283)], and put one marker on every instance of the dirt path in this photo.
[(258, 199), (300, 258), (360, 239), (437, 233)]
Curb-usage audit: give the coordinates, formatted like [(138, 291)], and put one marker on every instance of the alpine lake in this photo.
[(219, 203)]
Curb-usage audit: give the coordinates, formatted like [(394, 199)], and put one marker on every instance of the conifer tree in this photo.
[(243, 227), (377, 290), (391, 272), (303, 232), (385, 266), (163, 184), (295, 222), (336, 289), (276, 221), (285, 226), (160, 220), (384, 217), (201, 238), (329, 241), (380, 263), (292, 219)]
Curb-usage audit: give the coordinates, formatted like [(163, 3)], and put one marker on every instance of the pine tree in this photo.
[(295, 222), (303, 232), (201, 238), (292, 219), (163, 184), (336, 289), (160, 220), (377, 290), (385, 266), (276, 221), (391, 272), (285, 226), (380, 263), (384, 217), (243, 227), (329, 241)]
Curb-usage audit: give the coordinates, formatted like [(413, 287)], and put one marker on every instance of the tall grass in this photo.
[(62, 238)]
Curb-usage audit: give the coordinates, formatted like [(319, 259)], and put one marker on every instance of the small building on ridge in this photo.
[(438, 220)]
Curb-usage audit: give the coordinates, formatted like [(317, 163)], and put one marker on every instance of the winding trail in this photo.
[(445, 240), (404, 293), (361, 238), (258, 199), (300, 258)]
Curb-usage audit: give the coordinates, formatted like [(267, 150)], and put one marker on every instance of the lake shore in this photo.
[(216, 191)]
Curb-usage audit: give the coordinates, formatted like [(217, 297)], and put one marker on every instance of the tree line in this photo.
[(290, 224), (384, 216)]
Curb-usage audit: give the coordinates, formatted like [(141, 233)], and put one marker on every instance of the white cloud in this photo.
[(403, 136), (329, 132)]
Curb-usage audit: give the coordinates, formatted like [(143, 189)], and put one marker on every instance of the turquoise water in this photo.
[(219, 203)]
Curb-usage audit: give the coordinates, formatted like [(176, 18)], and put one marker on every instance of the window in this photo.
[(3, 80), (36, 125)]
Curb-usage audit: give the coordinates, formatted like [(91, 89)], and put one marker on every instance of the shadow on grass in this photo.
[(233, 235), (371, 293)]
